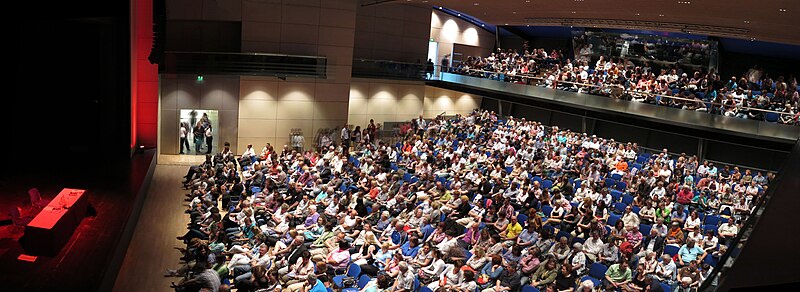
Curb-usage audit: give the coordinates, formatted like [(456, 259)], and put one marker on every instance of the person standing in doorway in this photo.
[(209, 139), (345, 136), (198, 134), (184, 137)]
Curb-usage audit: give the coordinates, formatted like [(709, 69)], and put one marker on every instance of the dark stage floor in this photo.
[(84, 261)]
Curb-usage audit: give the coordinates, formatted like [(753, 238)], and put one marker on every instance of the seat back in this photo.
[(598, 271), (613, 218), (529, 288), (14, 213), (671, 250), (354, 271), (363, 281), (35, 195)]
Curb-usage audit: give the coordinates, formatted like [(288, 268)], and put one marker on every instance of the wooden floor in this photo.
[(151, 249), (82, 263)]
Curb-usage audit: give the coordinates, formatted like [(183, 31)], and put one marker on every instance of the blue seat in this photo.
[(353, 270), (577, 240), (425, 289), (671, 250), (616, 176), (712, 220), (610, 182), (547, 209), (547, 184), (619, 207), (407, 177), (621, 186), (637, 166), (394, 167), (597, 271), (710, 260), (635, 209), (665, 287), (577, 184), (509, 169), (362, 282), (414, 179), (627, 199), (616, 195), (645, 229), (522, 218), (550, 228), (771, 117), (613, 218), (641, 160), (756, 92), (528, 288), (563, 233), (700, 94), (467, 254), (537, 178), (708, 227), (369, 210)]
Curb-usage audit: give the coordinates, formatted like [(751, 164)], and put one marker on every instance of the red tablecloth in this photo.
[(47, 233)]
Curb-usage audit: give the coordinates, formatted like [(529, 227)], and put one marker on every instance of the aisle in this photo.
[(151, 249)]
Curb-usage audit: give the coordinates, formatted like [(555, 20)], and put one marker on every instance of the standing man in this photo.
[(209, 139), (197, 133), (184, 136), (345, 136), (420, 125)]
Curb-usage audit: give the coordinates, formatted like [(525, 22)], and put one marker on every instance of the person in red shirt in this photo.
[(685, 195)]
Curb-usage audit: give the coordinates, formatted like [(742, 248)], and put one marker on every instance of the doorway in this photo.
[(433, 53), (193, 127)]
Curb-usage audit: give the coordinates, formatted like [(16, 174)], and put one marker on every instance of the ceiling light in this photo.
[(747, 21), (482, 25), (514, 12), (573, 12), (662, 15), (527, 1), (459, 15), (476, 4), (506, 23), (752, 39), (781, 10), (637, 14)]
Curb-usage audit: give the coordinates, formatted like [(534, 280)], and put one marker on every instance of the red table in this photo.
[(54, 225)]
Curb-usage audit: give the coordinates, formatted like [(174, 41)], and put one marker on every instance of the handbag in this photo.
[(348, 282)]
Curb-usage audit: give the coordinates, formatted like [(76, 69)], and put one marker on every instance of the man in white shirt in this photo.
[(184, 135), (345, 138)]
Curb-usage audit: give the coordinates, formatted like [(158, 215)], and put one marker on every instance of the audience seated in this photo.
[(753, 96), (442, 210)]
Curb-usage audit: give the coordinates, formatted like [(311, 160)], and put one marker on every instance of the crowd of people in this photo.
[(469, 203), (753, 95)]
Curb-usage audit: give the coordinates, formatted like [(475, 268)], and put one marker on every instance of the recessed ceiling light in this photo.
[(482, 25), (459, 15), (752, 39), (781, 10), (506, 23), (476, 4), (637, 14), (747, 21), (527, 1), (573, 12), (662, 15), (514, 12)]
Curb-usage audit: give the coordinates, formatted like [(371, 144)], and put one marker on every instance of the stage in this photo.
[(90, 259)]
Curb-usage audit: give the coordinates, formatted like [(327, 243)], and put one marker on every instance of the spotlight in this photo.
[(199, 77)]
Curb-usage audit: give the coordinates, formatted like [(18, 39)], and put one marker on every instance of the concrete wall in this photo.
[(219, 93), (396, 101), (448, 30), (396, 32)]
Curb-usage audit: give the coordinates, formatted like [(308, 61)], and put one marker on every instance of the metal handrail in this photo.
[(608, 87)]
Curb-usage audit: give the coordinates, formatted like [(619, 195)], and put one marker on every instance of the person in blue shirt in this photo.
[(314, 284), (410, 248), (690, 252)]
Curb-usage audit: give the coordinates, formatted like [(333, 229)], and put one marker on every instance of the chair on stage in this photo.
[(36, 198), (16, 218)]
